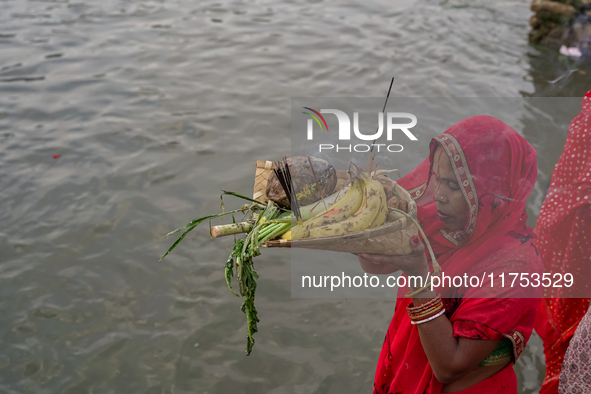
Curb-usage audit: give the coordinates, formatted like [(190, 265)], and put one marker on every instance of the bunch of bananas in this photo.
[(363, 206)]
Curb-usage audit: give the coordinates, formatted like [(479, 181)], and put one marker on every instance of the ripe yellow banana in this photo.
[(371, 213), (317, 208), (382, 215), (342, 209), (286, 235)]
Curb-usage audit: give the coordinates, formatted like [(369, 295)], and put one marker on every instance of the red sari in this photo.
[(496, 169), (565, 246)]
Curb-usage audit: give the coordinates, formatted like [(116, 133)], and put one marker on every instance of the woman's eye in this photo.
[(454, 186)]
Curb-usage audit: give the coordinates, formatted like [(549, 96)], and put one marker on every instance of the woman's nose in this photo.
[(439, 197)]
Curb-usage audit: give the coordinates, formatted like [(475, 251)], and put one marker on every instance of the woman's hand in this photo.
[(412, 264)]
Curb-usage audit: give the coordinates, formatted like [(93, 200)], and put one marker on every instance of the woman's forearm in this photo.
[(450, 358), (439, 343), (441, 347)]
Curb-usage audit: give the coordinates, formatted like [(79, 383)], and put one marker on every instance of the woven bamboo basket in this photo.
[(264, 169), (392, 238)]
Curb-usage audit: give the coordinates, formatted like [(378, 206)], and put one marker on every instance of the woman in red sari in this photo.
[(471, 195)]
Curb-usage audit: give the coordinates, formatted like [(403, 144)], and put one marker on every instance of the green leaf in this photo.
[(194, 223), (176, 243), (190, 226), (241, 196)]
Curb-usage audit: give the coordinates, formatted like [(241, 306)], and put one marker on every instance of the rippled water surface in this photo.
[(153, 107)]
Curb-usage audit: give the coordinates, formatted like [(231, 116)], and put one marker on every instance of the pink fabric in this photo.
[(496, 169)]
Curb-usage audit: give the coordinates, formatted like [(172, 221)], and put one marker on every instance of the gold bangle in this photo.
[(424, 306), (425, 310), (427, 313)]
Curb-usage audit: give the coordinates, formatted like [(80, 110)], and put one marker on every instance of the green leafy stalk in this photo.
[(194, 223), (266, 230), (190, 226), (240, 261), (244, 252), (279, 230), (229, 268)]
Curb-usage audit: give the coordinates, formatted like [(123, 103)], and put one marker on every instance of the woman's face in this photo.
[(451, 205)]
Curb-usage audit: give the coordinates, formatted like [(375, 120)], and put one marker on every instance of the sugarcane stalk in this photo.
[(230, 229)]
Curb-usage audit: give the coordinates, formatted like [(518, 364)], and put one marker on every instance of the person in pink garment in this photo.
[(564, 242)]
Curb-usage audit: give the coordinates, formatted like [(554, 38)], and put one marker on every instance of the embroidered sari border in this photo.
[(462, 172)]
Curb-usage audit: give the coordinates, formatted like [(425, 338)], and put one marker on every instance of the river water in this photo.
[(153, 107)]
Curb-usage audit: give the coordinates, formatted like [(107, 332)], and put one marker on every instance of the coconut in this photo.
[(304, 183)]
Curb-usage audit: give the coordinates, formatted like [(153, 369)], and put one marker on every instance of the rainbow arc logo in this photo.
[(316, 117)]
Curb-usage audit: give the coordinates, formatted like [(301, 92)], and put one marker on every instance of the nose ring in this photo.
[(441, 198)]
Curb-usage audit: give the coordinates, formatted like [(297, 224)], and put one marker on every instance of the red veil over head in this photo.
[(496, 170)]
